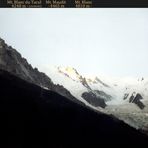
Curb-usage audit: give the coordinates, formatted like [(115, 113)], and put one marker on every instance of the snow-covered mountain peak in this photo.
[(69, 72), (113, 90)]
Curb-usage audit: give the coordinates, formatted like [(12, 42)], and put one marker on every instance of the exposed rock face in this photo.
[(137, 101), (13, 62), (93, 99), (135, 98), (103, 95), (84, 83), (97, 80), (125, 96)]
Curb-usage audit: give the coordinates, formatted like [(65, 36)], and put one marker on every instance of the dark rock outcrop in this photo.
[(103, 95), (125, 96), (84, 83), (98, 80), (93, 99), (137, 101), (135, 98)]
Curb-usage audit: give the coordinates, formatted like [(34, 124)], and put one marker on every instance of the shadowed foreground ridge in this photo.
[(31, 116)]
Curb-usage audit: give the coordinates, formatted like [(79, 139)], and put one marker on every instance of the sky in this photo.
[(105, 41)]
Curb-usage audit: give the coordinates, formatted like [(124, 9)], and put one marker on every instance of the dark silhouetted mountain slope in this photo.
[(33, 116), (13, 62)]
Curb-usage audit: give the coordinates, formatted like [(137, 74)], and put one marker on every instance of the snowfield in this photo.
[(130, 114), (117, 88)]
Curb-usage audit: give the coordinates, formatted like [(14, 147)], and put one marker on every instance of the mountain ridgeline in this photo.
[(12, 61)]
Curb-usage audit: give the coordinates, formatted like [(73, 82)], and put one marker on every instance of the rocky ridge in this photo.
[(13, 62)]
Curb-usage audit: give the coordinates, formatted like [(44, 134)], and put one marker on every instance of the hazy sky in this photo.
[(100, 41)]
